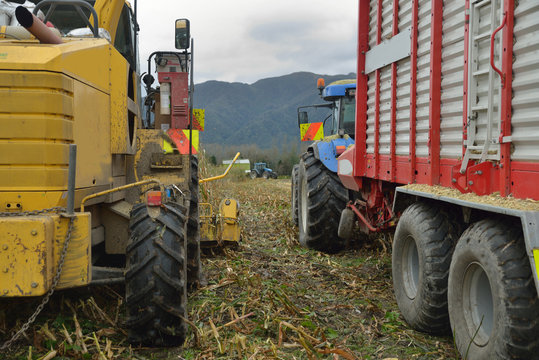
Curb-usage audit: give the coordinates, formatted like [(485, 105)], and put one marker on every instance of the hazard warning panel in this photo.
[(198, 119), (182, 141), (312, 131)]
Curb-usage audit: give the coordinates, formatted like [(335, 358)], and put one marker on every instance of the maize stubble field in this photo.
[(267, 298)]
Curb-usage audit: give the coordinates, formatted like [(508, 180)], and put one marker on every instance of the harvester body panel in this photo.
[(84, 92)]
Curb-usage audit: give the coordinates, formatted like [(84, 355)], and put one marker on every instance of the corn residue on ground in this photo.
[(268, 298)]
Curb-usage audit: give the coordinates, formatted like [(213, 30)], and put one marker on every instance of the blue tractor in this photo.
[(261, 170), (318, 196)]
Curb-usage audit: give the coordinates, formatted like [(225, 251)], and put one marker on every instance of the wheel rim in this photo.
[(478, 304), (303, 200), (410, 267)]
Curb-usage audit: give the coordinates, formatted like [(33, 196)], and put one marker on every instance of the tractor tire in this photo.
[(274, 175), (266, 175), (253, 174), (422, 248), (194, 267), (493, 304), (321, 198), (294, 194), (155, 280)]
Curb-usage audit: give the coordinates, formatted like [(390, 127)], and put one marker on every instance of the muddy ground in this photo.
[(268, 298)]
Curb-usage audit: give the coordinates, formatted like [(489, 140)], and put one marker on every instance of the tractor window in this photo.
[(348, 115), (125, 36), (331, 128)]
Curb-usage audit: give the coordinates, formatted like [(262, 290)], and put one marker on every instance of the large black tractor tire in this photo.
[(321, 199), (294, 194), (266, 175), (253, 174), (274, 175), (422, 248), (155, 280), (493, 302)]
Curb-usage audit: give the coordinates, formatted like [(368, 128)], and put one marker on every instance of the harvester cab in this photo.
[(84, 180)]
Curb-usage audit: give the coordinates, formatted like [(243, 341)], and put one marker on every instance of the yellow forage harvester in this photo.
[(88, 171)]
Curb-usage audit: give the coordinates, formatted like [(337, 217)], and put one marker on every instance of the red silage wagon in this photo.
[(447, 144)]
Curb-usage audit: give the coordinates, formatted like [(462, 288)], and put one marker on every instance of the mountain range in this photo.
[(262, 113)]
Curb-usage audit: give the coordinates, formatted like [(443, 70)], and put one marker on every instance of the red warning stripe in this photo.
[(181, 141), (311, 132)]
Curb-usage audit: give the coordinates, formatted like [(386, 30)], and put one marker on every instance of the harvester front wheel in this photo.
[(493, 304), (424, 241), (321, 198), (294, 194), (155, 280)]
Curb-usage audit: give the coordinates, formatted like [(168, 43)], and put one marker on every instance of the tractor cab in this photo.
[(341, 103)]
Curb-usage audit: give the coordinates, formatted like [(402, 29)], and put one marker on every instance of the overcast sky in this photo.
[(248, 40)]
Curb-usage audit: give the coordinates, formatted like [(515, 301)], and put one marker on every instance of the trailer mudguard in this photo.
[(329, 149)]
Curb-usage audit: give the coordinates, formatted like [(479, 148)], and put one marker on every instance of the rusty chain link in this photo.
[(32, 318)]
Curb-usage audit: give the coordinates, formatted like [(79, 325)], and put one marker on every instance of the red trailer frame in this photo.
[(468, 240), (508, 177)]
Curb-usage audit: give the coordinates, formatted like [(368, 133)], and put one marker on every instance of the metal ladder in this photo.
[(484, 86)]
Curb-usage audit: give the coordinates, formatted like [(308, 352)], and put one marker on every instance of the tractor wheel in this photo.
[(156, 292), (294, 194), (493, 304), (266, 175), (194, 267), (424, 241), (253, 174), (321, 197), (274, 175)]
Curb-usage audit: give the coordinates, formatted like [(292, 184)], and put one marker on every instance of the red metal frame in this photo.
[(492, 38), (435, 91), (506, 98), (362, 87), (413, 89), (179, 93), (518, 178)]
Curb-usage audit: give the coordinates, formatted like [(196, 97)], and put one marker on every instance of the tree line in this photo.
[(278, 158)]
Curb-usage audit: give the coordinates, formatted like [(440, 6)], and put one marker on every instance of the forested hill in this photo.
[(262, 113)]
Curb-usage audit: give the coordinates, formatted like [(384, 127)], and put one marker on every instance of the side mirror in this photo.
[(303, 118), (182, 34)]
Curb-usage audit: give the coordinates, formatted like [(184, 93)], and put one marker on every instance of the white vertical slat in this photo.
[(385, 83), (373, 26), (525, 104), (403, 87), (452, 79), (423, 78)]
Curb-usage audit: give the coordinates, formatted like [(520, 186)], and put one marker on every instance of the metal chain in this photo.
[(56, 278)]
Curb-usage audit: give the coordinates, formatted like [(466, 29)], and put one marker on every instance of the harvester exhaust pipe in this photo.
[(36, 27)]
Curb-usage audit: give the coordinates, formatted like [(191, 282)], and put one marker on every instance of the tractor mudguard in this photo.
[(326, 150)]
